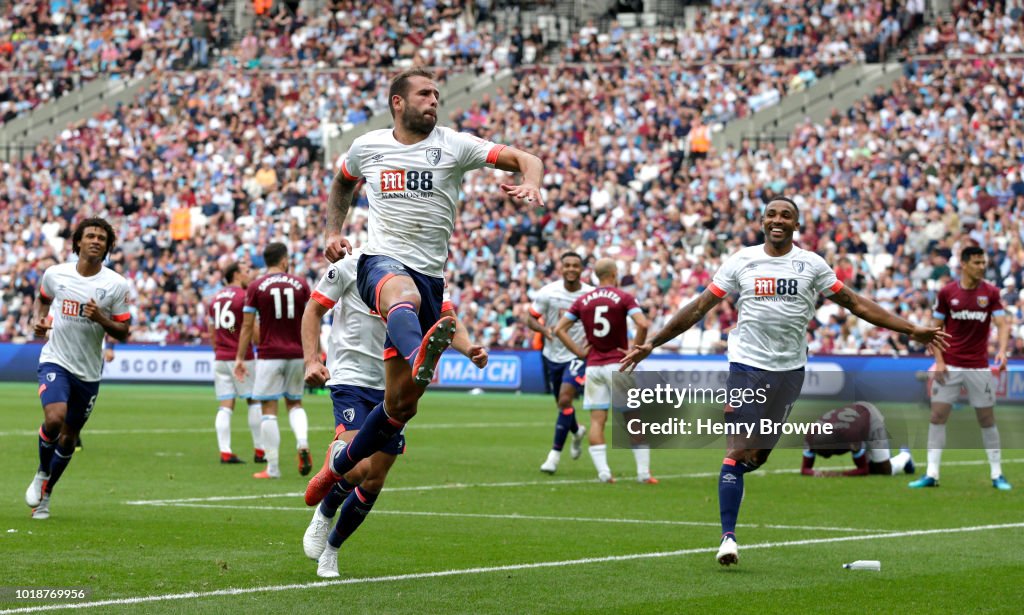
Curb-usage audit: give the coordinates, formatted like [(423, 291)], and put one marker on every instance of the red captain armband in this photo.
[(345, 173), (492, 156), (323, 299), (838, 286), (716, 291)]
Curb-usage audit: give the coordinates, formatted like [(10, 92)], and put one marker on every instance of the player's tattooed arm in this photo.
[(875, 314), (685, 318), (339, 201)]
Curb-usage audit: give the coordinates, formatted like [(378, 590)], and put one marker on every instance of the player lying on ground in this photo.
[(858, 429)]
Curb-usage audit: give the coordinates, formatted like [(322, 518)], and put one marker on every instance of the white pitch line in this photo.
[(236, 591), (520, 517), (525, 483), (417, 427)]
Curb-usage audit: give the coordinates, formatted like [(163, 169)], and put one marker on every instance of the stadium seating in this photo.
[(48, 47), (889, 189)]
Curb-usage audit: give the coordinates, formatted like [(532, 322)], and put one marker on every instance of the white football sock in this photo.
[(300, 426), (990, 438), (642, 454), (936, 442), (599, 454), (899, 462), (223, 426), (271, 443), (255, 420)]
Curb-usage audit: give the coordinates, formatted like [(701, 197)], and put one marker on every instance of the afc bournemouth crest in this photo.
[(349, 414), (983, 302), (798, 266), (433, 155), (101, 293)]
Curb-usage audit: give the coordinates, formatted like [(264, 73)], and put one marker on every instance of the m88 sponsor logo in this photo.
[(400, 180), (769, 287)]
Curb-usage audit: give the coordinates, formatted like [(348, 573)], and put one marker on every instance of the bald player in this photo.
[(604, 313)]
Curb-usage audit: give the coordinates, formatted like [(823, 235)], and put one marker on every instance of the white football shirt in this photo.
[(76, 343), (550, 303), (413, 191), (777, 296), (355, 345)]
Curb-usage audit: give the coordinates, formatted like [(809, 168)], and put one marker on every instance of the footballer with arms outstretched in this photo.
[(778, 285), (413, 174)]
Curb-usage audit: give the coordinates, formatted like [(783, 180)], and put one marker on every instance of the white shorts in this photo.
[(602, 380), (277, 377), (878, 436), (225, 384), (978, 382)]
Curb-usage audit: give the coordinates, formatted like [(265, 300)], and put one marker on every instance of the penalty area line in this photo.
[(489, 569)]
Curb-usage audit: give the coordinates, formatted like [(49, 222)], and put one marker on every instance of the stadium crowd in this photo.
[(384, 34), (975, 27), (50, 47), (208, 167), (821, 34), (890, 191)]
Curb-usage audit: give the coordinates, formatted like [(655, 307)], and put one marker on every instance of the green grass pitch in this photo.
[(150, 522)]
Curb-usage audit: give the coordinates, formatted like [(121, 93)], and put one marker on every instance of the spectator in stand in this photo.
[(945, 138)]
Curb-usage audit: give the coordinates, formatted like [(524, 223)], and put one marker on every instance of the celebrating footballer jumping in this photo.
[(412, 175)]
